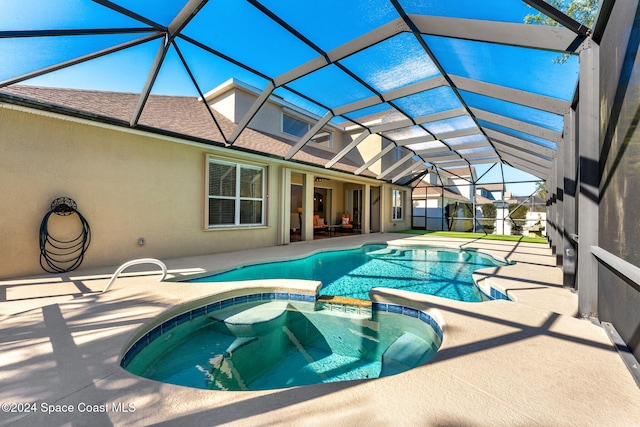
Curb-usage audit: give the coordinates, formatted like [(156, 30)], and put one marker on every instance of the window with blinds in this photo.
[(236, 194)]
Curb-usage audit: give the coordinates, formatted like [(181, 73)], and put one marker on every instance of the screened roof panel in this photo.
[(354, 18), (531, 70), (381, 109), (495, 10), (211, 70), (483, 150), (159, 11), (331, 86), (61, 15), (393, 63), (174, 78), (522, 135), (514, 111), (52, 50), (312, 153), (449, 125), (487, 159), (318, 60), (464, 140), (377, 114), (242, 32), (451, 163), (429, 102), (392, 166), (299, 101), (428, 145), (124, 71), (406, 133)]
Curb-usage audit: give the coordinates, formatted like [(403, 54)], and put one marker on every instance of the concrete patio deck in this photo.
[(524, 363)]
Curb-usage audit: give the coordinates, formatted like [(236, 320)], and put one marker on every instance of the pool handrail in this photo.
[(135, 262)]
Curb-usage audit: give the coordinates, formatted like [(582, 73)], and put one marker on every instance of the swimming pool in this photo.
[(352, 273), (260, 342)]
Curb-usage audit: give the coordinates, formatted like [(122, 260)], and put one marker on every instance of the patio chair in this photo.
[(319, 224), (346, 222)]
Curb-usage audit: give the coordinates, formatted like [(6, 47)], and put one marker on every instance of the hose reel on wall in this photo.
[(60, 255)]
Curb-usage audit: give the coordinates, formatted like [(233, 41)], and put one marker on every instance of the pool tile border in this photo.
[(411, 312), (496, 294), (168, 325)]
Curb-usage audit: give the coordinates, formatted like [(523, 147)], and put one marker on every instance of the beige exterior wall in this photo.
[(388, 224), (128, 185), (234, 99), (366, 150), (226, 105)]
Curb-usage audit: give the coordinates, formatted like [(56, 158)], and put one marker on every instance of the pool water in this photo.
[(280, 344), (352, 273)]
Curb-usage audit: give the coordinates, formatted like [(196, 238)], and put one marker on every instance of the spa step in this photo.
[(239, 343), (406, 352), (254, 321)]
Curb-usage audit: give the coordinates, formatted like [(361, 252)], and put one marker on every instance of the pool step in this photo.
[(250, 322), (406, 352), (239, 343), (224, 374)]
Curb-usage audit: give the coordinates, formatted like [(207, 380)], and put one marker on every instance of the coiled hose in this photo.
[(60, 256)]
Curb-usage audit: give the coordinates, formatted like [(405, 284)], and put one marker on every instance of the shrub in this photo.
[(489, 210), (489, 213), (518, 214)]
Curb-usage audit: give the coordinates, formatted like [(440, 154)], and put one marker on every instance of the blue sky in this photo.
[(510, 174)]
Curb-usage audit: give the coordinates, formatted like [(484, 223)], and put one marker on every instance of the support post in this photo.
[(307, 207), (285, 207), (552, 210), (559, 219), (570, 174), (366, 209), (589, 179)]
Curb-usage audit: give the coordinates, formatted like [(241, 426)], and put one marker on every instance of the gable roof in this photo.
[(437, 192), (492, 187), (179, 116)]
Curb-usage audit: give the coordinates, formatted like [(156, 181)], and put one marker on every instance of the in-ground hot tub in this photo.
[(275, 340)]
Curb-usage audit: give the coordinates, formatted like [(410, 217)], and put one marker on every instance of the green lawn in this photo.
[(464, 235)]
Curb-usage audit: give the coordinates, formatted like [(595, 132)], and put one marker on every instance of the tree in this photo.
[(451, 212), (517, 211), (489, 210), (541, 190), (517, 215), (583, 11), (468, 215), (489, 213)]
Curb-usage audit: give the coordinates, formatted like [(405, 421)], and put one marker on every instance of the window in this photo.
[(397, 154), (293, 126), (236, 194), (298, 128), (323, 138), (396, 201)]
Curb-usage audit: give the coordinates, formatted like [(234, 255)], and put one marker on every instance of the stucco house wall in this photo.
[(128, 184)]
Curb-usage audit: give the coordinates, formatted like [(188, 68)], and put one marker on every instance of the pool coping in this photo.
[(527, 362)]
